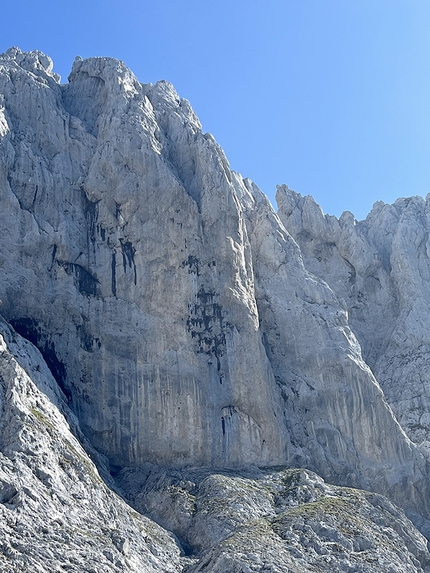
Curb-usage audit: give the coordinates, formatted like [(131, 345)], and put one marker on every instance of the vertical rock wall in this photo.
[(135, 278), (380, 267), (170, 302)]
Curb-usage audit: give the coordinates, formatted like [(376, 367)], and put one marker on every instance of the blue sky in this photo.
[(331, 97)]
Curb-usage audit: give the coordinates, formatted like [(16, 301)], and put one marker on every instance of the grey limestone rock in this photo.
[(56, 513), (380, 267), (278, 521), (141, 293), (187, 324)]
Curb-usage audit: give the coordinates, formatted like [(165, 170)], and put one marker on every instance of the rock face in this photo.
[(277, 521), (133, 240), (380, 267), (56, 513), (188, 325)]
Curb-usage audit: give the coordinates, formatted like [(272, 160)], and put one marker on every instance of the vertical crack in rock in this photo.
[(113, 269)]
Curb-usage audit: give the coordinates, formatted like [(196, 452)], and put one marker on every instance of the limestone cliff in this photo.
[(184, 321), (380, 267), (131, 268), (57, 514)]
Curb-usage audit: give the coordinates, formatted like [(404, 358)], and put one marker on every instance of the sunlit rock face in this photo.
[(56, 513), (283, 521), (131, 267), (380, 267), (174, 308)]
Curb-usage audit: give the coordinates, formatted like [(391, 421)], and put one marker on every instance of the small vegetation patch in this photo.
[(42, 418)]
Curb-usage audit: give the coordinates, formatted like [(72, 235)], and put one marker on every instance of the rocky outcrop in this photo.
[(167, 298), (380, 267), (185, 322), (334, 409), (277, 521), (56, 513)]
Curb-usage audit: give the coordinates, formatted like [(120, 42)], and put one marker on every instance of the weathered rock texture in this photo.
[(278, 521), (56, 513), (381, 268), (131, 269), (184, 321)]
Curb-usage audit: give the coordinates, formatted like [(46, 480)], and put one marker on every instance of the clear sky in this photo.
[(331, 97)]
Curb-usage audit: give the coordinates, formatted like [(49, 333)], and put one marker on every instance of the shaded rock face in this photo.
[(173, 307)]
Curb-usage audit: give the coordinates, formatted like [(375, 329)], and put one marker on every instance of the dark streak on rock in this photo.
[(128, 252), (35, 195), (29, 329), (87, 341), (117, 210), (206, 325), (54, 252), (113, 264), (85, 282), (91, 214), (192, 263)]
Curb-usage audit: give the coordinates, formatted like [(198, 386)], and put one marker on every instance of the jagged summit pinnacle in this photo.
[(34, 61)]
